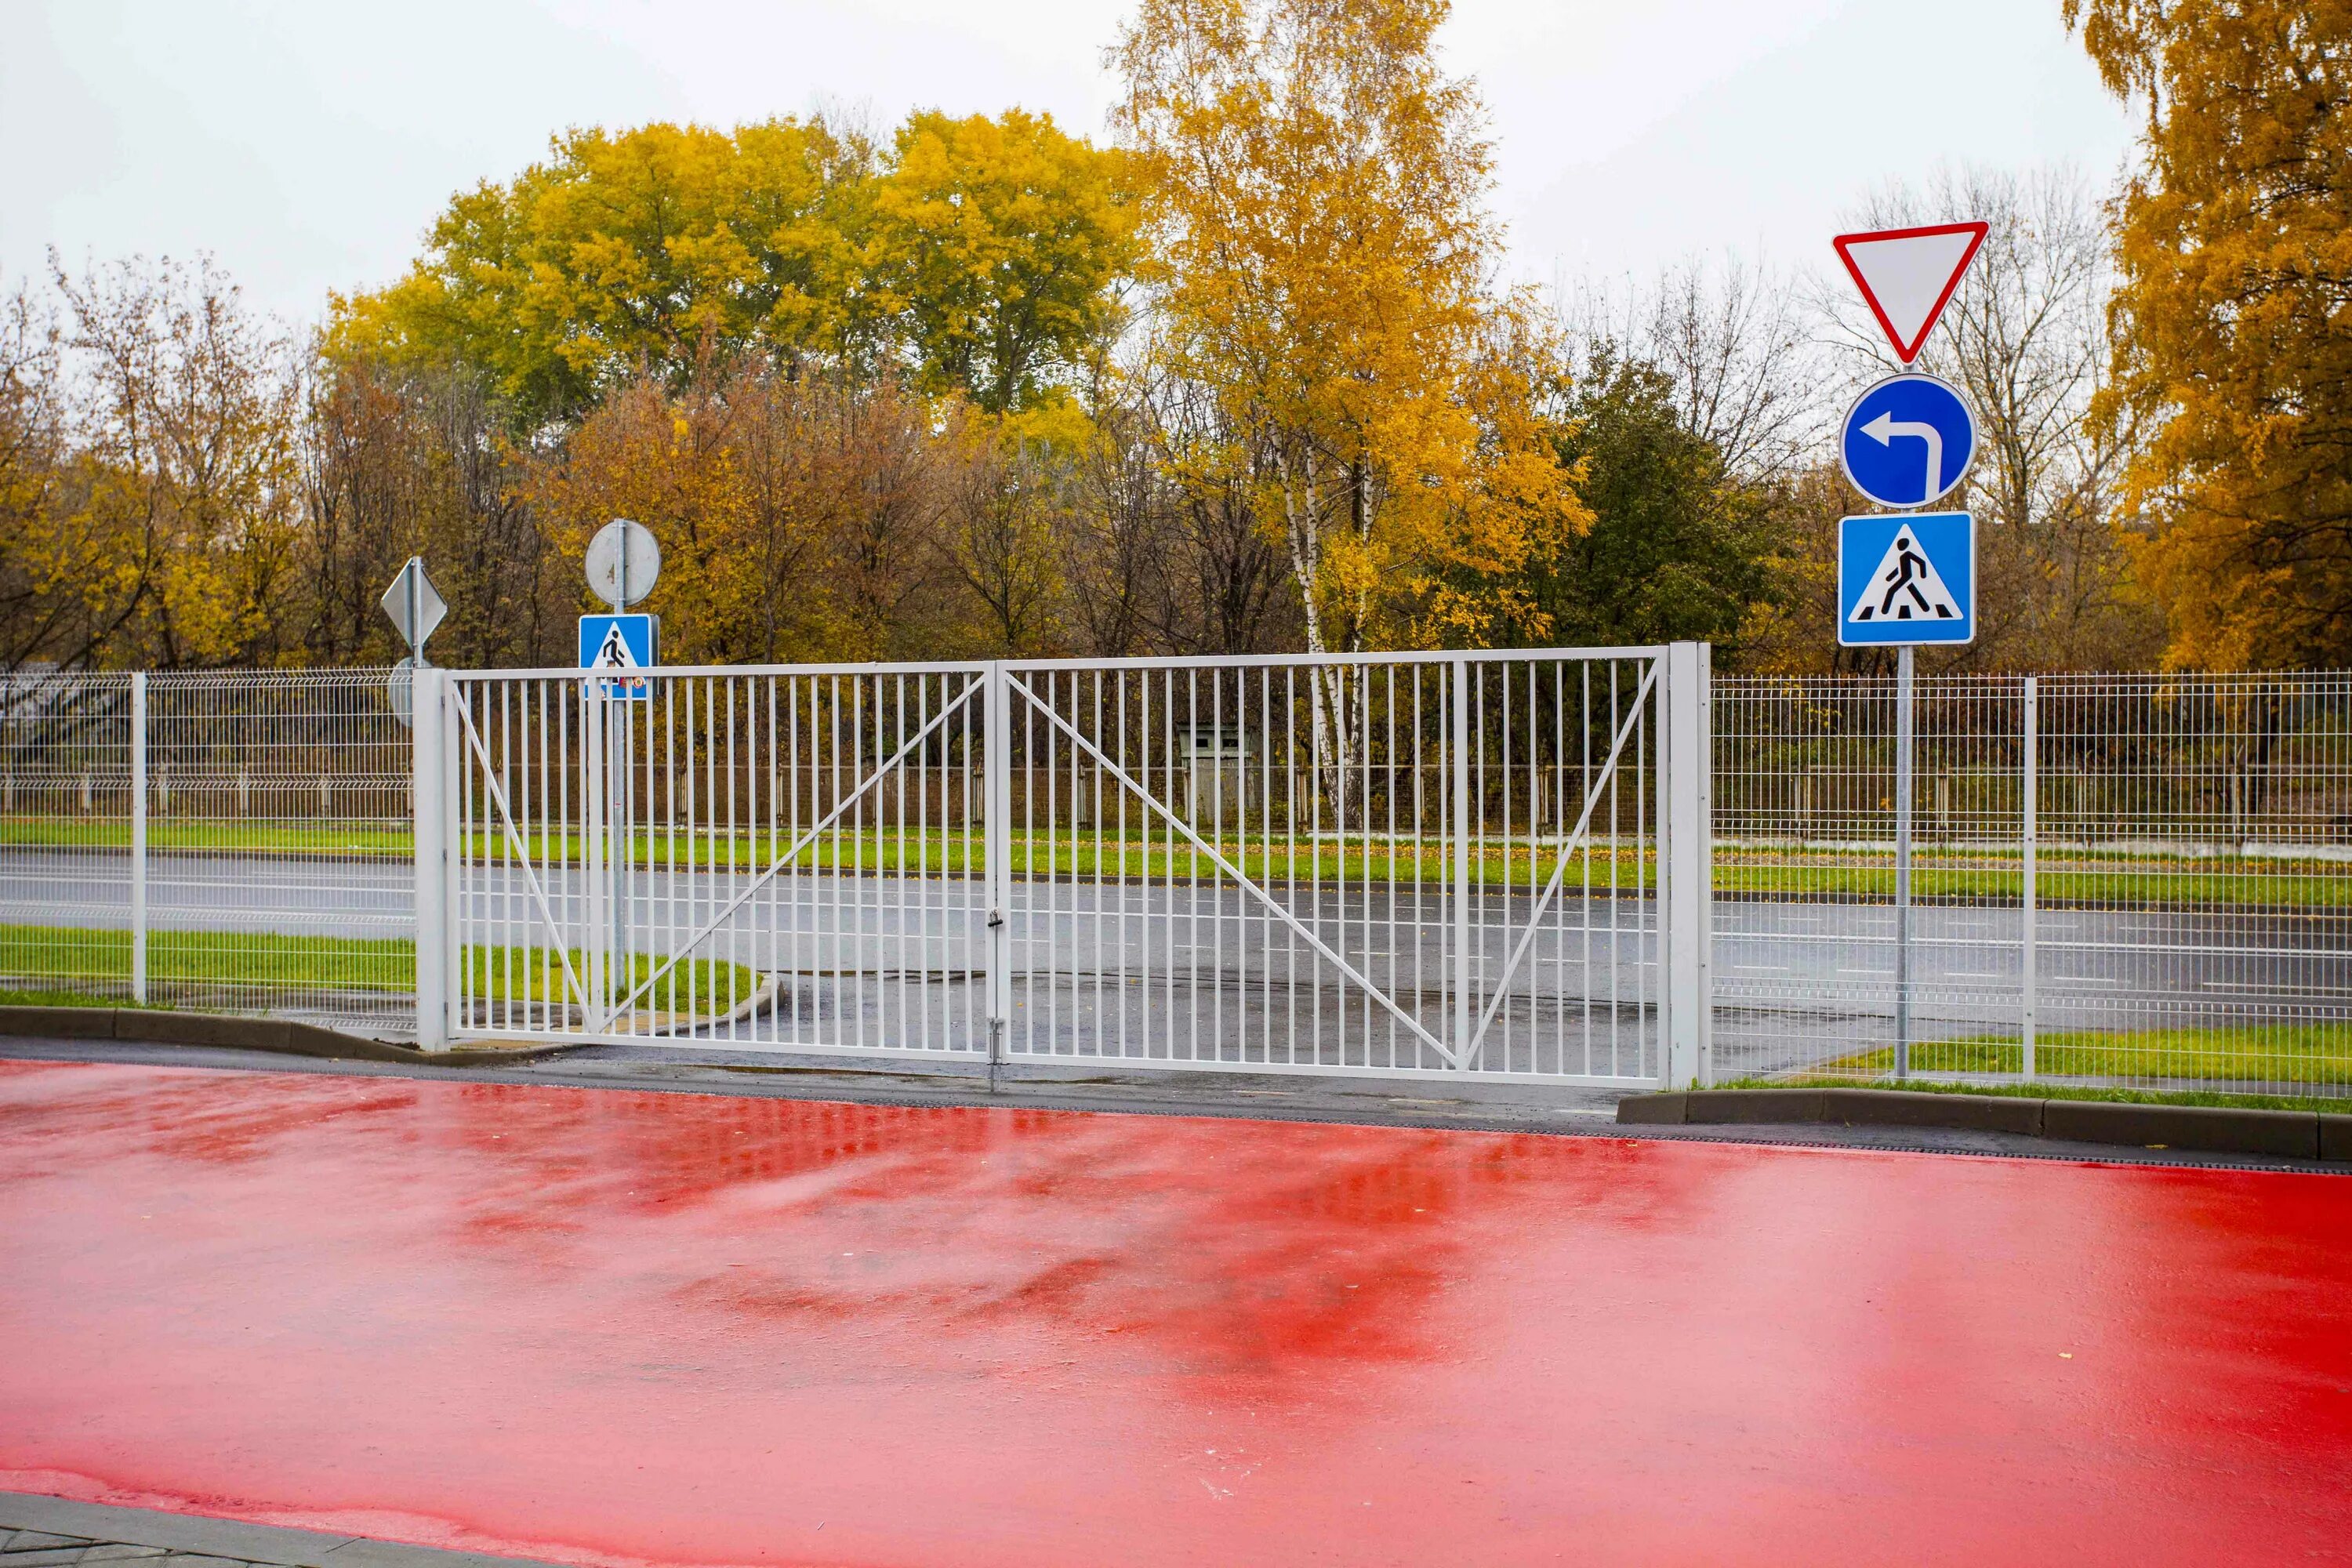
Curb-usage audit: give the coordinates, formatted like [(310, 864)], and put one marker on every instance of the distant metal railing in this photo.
[(223, 840), (2119, 880)]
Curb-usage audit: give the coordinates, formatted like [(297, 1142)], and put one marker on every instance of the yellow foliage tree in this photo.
[(2232, 327), (1315, 199), (634, 250), (799, 518), (976, 253), (1315, 189), (996, 242)]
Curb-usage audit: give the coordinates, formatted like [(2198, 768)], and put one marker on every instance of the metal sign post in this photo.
[(624, 562), (1903, 772), (1908, 578)]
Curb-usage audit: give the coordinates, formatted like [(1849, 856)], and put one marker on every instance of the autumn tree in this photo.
[(406, 461), (2234, 244), (976, 253), (995, 244), (183, 480), (630, 251), (799, 518), (1314, 190), (62, 591)]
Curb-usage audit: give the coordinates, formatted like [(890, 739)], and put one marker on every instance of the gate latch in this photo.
[(996, 918)]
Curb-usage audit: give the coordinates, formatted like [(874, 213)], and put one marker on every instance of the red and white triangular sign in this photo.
[(1908, 276)]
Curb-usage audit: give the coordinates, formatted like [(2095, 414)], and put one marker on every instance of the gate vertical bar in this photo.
[(1685, 883), (138, 836), (2032, 794), (1464, 1007), (1903, 739), (429, 805), (996, 829)]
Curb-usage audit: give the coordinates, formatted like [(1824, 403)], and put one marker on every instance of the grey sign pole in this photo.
[(1902, 748), (624, 562)]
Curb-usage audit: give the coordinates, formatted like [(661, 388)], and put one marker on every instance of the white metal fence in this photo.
[(2138, 879), (1389, 863)]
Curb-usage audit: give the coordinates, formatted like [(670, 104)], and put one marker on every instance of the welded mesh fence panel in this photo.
[(65, 838), (2175, 911), (1368, 864), (277, 858), (280, 869)]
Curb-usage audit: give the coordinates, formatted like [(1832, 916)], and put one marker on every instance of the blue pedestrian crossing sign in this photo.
[(616, 647), (1907, 440), (1907, 578)]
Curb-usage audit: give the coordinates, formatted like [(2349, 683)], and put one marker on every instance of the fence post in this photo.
[(996, 829), (1466, 1009), (138, 836), (2032, 790), (1687, 884), (428, 776)]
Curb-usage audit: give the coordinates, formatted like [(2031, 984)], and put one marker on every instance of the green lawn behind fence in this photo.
[(2283, 1053), (66, 964), (2068, 878)]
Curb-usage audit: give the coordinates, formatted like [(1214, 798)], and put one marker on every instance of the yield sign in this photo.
[(1908, 276)]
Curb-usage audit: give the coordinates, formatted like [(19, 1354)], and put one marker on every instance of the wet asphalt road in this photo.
[(872, 955)]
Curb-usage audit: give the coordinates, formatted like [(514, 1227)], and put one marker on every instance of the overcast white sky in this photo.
[(307, 145)]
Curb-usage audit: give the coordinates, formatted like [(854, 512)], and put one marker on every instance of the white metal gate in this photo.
[(1484, 863)]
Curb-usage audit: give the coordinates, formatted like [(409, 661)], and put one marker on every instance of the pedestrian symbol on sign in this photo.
[(1907, 578), (1906, 586), (616, 650)]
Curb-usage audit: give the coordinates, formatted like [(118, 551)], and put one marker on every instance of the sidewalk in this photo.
[(37, 1532)]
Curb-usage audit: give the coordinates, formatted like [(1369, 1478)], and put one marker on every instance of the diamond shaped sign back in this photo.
[(413, 604)]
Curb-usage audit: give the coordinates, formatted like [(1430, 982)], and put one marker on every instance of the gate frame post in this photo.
[(1688, 883), (430, 800), (1465, 956), (996, 838)]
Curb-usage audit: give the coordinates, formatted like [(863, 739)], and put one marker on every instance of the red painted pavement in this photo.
[(613, 1326)]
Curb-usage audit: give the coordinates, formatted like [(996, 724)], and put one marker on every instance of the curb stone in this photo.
[(2288, 1134), (282, 1035)]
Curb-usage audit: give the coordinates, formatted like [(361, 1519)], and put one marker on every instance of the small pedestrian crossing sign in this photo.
[(616, 647), (1906, 578)]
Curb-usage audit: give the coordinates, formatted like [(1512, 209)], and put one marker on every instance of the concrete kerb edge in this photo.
[(284, 1036), (2222, 1129), (229, 1540)]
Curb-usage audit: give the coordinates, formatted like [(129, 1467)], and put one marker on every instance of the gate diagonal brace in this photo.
[(1559, 872), (578, 991), (1230, 870), (789, 855)]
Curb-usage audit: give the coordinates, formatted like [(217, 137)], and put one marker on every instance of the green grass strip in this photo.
[(55, 961), (2281, 1053), (2069, 877), (2332, 1106)]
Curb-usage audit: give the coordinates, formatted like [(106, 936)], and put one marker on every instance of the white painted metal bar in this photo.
[(430, 819), (1687, 865), (996, 824)]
